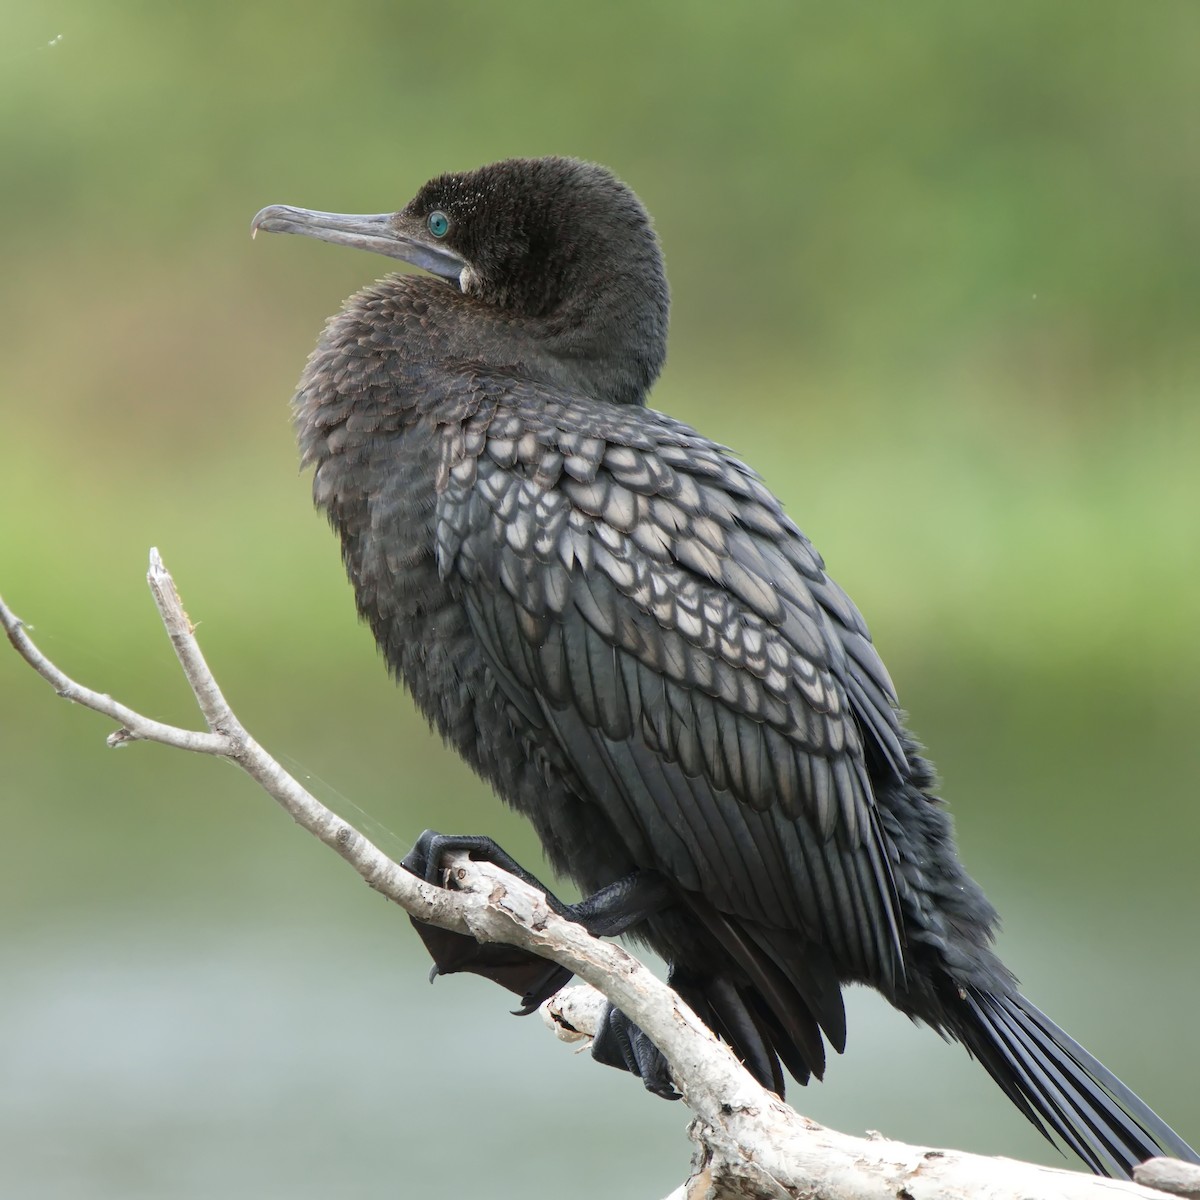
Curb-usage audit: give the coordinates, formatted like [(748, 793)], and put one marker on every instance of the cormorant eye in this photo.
[(438, 223)]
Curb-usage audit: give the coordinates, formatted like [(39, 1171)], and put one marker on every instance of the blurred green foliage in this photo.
[(936, 271)]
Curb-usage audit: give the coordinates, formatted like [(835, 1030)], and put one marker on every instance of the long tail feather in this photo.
[(1059, 1086)]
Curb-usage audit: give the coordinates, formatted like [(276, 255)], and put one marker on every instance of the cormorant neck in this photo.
[(608, 347), (609, 344)]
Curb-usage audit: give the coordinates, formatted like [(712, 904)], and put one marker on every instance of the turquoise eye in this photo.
[(438, 224)]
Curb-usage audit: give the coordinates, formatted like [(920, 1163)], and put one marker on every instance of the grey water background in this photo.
[(935, 274)]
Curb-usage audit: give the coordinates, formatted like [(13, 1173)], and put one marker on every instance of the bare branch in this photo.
[(749, 1143), (1170, 1175), (228, 739), (134, 726), (214, 706)]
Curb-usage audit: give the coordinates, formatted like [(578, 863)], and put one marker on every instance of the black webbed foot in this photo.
[(620, 1043), (610, 911), (533, 978)]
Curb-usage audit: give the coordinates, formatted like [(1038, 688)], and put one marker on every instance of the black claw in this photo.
[(554, 980), (620, 1043), (425, 858)]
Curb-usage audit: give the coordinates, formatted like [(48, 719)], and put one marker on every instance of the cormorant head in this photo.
[(560, 249)]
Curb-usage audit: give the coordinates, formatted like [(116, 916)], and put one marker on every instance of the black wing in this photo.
[(641, 595)]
